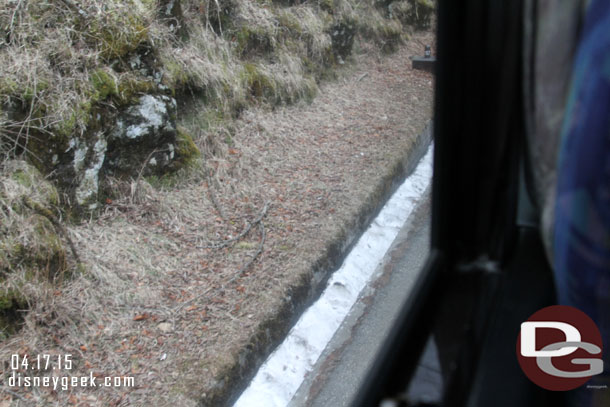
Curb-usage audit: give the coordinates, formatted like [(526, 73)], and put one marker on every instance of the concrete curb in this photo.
[(272, 331)]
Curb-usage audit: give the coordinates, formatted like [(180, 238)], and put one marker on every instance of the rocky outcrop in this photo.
[(144, 135), (141, 139), (32, 248), (342, 35)]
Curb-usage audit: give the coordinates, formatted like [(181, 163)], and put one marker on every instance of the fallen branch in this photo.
[(212, 195), (253, 258), (362, 76), (228, 242)]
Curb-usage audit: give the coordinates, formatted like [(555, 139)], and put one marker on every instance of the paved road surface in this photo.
[(336, 377)]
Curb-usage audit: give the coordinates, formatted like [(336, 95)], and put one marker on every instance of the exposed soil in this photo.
[(177, 294)]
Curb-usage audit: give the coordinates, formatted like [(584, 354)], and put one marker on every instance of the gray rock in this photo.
[(342, 36), (87, 190), (144, 134)]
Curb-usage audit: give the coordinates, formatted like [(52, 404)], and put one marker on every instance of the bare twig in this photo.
[(212, 195), (243, 233), (192, 300), (362, 76), (12, 23), (261, 226)]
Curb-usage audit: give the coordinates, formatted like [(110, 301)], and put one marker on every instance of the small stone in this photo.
[(165, 327)]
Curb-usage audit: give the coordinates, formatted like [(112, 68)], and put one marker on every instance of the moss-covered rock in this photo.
[(259, 84), (32, 250), (144, 138)]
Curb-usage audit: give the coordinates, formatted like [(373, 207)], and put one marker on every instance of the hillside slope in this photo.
[(176, 181)]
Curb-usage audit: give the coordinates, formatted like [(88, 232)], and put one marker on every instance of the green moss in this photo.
[(47, 254), (251, 41), (22, 178), (104, 84), (26, 92), (31, 249), (80, 116), (120, 36), (9, 298), (8, 86), (30, 92), (186, 150), (130, 89), (175, 75), (259, 84), (42, 190)]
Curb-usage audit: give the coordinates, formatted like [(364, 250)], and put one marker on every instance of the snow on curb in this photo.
[(280, 376)]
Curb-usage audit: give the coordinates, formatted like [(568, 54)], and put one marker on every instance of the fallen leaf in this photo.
[(141, 317)]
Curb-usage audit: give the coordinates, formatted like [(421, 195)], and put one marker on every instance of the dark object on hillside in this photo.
[(342, 35), (425, 63)]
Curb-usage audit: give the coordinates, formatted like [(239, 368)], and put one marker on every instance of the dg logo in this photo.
[(560, 348)]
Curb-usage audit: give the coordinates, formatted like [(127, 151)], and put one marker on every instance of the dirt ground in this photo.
[(183, 280)]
